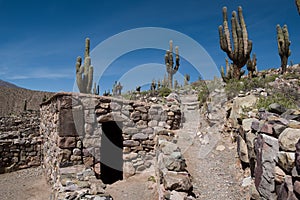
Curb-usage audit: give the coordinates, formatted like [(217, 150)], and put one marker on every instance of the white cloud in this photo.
[(42, 73)]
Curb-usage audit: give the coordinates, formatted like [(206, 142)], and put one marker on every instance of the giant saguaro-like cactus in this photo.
[(171, 68), (283, 46), (242, 47), (84, 73)]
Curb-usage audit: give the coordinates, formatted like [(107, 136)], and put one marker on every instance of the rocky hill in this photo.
[(7, 84), (13, 99)]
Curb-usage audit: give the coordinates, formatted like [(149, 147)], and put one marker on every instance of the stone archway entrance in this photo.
[(111, 152)]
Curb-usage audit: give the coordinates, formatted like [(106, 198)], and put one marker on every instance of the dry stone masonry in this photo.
[(82, 133), (20, 142), (269, 144)]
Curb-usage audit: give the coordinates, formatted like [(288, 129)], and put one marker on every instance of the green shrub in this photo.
[(233, 87), (203, 95), (279, 98), (164, 91)]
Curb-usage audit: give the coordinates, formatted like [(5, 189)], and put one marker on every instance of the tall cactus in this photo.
[(242, 47), (84, 73), (283, 46), (251, 66), (171, 68)]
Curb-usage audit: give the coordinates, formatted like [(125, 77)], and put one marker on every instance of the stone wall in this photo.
[(175, 182), (20, 142), (269, 145), (75, 127)]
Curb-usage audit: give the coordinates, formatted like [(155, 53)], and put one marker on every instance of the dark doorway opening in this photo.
[(111, 152)]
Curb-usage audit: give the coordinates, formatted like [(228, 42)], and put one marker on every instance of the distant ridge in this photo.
[(7, 84), (13, 99)]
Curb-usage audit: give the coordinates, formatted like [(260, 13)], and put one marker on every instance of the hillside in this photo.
[(7, 84), (13, 98)]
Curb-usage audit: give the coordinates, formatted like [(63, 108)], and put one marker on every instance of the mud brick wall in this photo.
[(20, 142), (75, 127)]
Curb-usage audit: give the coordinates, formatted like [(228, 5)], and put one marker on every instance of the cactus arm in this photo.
[(233, 55), (226, 29), (244, 30), (87, 48)]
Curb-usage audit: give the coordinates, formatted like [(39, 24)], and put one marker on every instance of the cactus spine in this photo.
[(242, 47), (251, 66), (84, 73), (283, 46), (171, 68)]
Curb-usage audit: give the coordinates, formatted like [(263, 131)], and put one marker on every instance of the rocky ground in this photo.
[(210, 156)]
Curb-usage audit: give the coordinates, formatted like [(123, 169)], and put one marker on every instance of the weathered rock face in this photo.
[(87, 130), (20, 142), (288, 139), (266, 149), (238, 105), (242, 149)]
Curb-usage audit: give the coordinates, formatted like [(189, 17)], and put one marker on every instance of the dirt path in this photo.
[(216, 174), (27, 184)]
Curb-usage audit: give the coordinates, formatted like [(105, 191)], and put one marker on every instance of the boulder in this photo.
[(278, 129), (266, 149), (179, 181), (266, 129), (173, 163), (238, 107), (286, 160), (297, 157), (297, 187), (140, 136), (279, 175), (247, 123), (250, 139), (288, 139), (128, 169), (242, 149), (277, 108), (286, 190)]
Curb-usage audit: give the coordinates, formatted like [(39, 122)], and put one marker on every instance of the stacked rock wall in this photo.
[(75, 125), (175, 182), (20, 142), (269, 144)]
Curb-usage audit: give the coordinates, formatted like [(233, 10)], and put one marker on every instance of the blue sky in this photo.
[(40, 40)]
